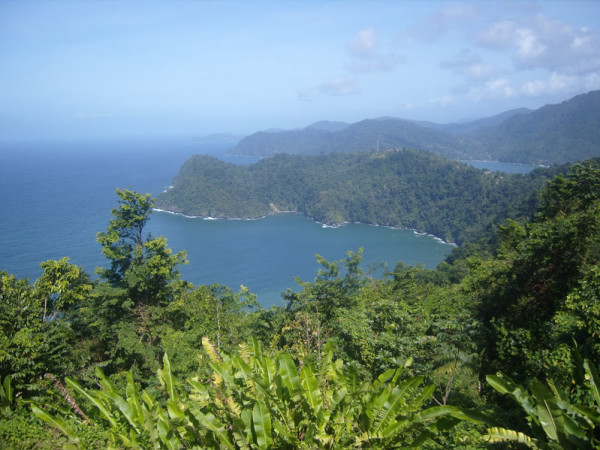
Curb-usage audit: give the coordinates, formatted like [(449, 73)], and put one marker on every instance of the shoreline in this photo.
[(323, 225)]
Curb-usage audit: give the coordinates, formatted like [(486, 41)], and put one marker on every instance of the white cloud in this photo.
[(364, 45), (560, 83), (556, 83), (545, 43), (339, 86), (500, 87), (558, 59), (367, 54), (529, 47), (471, 66), (482, 71)]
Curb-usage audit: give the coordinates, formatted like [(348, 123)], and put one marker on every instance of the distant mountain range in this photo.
[(367, 135), (553, 134), (566, 132), (474, 125)]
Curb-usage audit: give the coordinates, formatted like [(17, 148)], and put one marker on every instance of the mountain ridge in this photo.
[(553, 134), (365, 135)]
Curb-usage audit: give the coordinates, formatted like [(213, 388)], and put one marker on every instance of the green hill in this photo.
[(367, 135), (401, 188), (553, 134), (566, 132)]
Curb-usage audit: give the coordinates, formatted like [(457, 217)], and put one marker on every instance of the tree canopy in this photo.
[(401, 188), (498, 344)]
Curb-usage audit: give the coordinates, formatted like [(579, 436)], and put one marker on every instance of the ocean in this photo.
[(55, 196)]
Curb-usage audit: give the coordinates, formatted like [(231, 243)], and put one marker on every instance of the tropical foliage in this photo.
[(401, 188), (252, 400), (552, 418), (351, 360)]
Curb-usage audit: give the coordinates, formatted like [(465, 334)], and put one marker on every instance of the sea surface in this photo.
[(55, 196)]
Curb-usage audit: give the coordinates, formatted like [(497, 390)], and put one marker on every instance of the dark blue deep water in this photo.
[(55, 197)]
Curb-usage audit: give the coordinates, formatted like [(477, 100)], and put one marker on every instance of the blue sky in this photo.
[(124, 68)]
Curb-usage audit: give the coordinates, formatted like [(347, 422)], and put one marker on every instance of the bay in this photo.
[(266, 254), (56, 196), (499, 166)]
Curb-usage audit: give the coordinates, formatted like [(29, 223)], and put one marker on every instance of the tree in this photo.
[(214, 311), (542, 279), (61, 286), (35, 334), (319, 309), (119, 321), (21, 337), (144, 266)]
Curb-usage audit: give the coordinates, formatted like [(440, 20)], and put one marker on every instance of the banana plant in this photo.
[(553, 419), (253, 400), (270, 402), (135, 420), (7, 395)]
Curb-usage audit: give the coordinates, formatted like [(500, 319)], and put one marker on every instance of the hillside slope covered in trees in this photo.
[(566, 132), (553, 134), (445, 358), (367, 135), (400, 188)]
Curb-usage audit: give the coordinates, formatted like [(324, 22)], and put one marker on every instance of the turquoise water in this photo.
[(55, 197), (266, 254), (498, 166)]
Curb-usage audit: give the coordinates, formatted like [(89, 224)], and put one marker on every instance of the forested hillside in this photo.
[(497, 345), (553, 134), (566, 132), (463, 128), (367, 135), (400, 188)]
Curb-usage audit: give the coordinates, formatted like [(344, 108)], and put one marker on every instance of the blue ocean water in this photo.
[(55, 197), (265, 255), (499, 166)]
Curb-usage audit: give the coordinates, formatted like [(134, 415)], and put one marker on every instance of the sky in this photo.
[(107, 68)]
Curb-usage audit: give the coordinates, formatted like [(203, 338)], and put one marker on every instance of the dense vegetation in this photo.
[(466, 128), (501, 345), (553, 134), (569, 131), (367, 135), (401, 188)]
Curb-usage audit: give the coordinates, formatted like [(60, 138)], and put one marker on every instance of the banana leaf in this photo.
[(261, 419), (497, 434)]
